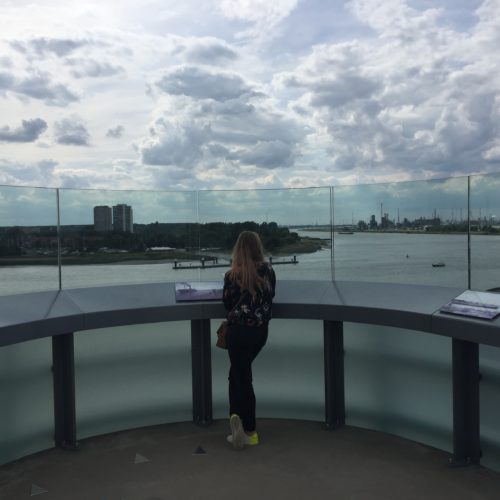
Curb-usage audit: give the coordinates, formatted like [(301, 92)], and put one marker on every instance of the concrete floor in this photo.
[(295, 460)]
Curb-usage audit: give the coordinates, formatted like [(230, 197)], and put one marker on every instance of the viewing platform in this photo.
[(297, 458)]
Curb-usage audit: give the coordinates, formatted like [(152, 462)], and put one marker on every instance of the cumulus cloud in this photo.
[(89, 68), (38, 86), (417, 98), (115, 132), (212, 134), (199, 83), (388, 90), (178, 144), (6, 62), (342, 89), (29, 131), (34, 174), (6, 81), (59, 47), (262, 16), (268, 154), (210, 51), (71, 132)]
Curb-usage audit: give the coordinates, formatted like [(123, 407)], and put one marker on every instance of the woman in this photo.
[(248, 294)]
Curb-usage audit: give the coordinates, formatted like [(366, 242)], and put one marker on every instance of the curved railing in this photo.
[(60, 314), (127, 375)]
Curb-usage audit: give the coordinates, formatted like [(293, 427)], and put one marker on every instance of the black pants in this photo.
[(243, 345)]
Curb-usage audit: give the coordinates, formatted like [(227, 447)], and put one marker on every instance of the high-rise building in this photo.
[(102, 218), (123, 219)]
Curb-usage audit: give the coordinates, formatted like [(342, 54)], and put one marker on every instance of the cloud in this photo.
[(342, 89), (210, 51), (178, 144), (115, 132), (395, 18), (29, 131), (261, 16), (417, 98), (38, 173), (263, 93), (71, 132), (210, 136), (6, 81), (38, 86), (88, 68), (6, 62), (59, 47), (268, 154), (199, 83)]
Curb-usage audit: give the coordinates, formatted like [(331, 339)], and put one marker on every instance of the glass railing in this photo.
[(410, 232)]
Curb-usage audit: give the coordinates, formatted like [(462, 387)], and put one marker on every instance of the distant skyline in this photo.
[(242, 94)]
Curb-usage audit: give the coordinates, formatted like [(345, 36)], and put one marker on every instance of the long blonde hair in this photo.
[(248, 255)]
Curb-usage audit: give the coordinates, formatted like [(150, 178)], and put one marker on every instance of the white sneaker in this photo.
[(247, 440), (237, 432)]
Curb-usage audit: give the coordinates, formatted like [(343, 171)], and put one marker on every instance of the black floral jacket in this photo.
[(250, 311)]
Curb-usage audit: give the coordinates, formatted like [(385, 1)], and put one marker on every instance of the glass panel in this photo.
[(132, 376), (485, 231), (399, 381), (27, 407), (489, 359), (292, 223), (288, 373), (113, 237), (406, 232), (28, 240)]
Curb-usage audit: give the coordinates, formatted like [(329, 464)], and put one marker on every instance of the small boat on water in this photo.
[(438, 264), (345, 232)]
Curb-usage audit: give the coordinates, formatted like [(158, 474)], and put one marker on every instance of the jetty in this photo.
[(213, 262)]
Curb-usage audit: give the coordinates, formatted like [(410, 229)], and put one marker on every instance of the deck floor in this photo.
[(295, 460)]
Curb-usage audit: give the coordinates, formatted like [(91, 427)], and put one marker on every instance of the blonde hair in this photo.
[(248, 255)]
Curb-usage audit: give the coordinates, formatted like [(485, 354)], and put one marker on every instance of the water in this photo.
[(393, 257)]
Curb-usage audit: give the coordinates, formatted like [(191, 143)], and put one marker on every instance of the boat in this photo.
[(345, 232), (438, 264)]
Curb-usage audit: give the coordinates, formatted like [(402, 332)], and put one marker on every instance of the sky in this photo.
[(244, 94)]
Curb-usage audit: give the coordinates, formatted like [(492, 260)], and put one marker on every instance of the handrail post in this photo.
[(333, 334), (201, 361), (469, 271), (466, 435), (64, 391)]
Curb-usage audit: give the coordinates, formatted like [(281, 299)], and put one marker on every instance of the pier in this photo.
[(213, 262)]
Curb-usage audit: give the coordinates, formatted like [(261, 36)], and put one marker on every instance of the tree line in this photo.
[(16, 241)]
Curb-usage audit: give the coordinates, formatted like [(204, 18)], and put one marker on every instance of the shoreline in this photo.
[(404, 231), (308, 245)]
